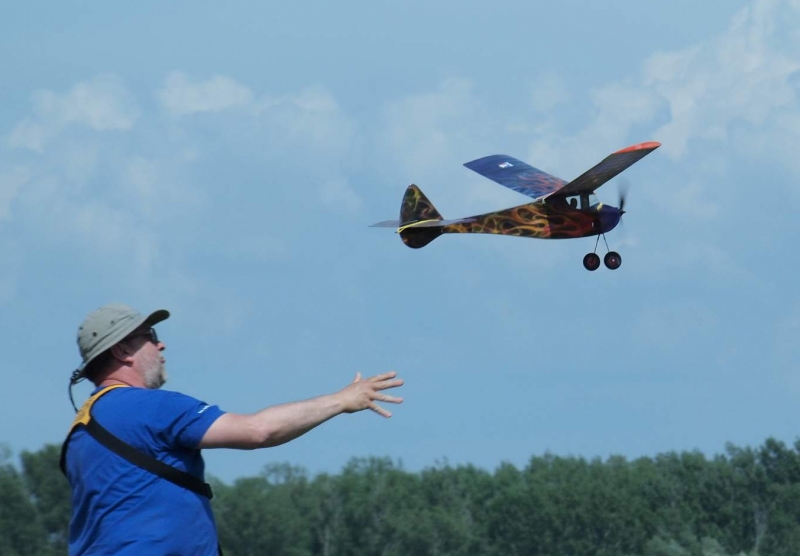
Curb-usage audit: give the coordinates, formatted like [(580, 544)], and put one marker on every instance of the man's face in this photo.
[(148, 359)]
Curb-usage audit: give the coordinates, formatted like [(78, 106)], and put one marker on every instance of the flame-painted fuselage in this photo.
[(540, 220), (552, 219)]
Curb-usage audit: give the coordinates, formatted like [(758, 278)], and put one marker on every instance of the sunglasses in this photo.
[(151, 334)]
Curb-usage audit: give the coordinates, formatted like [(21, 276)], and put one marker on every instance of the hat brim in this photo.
[(156, 317)]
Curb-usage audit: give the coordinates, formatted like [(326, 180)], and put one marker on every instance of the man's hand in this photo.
[(363, 393), (278, 424)]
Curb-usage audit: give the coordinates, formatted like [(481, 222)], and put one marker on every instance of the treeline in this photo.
[(744, 502)]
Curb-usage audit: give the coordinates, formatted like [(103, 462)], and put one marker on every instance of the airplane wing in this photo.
[(609, 167), (516, 175)]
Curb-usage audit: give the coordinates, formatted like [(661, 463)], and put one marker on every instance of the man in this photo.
[(133, 456)]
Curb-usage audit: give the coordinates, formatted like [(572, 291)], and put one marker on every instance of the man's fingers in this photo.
[(389, 399), (388, 384), (384, 376), (379, 410)]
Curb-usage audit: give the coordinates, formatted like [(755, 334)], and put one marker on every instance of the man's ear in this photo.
[(121, 352)]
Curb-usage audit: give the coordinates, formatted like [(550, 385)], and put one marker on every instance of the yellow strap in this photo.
[(85, 412), (417, 223)]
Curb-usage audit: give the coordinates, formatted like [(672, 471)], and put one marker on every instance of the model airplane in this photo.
[(560, 209)]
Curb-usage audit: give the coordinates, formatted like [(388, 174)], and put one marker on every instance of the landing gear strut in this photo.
[(612, 260)]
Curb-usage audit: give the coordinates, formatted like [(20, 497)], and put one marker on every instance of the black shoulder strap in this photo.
[(128, 452), (148, 463)]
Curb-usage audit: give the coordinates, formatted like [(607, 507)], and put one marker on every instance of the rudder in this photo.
[(416, 207)]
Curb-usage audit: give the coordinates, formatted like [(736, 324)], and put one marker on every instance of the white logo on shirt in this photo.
[(204, 408)]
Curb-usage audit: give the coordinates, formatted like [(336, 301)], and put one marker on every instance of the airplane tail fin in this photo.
[(418, 219), (416, 207)]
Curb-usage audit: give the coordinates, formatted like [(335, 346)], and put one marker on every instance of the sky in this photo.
[(224, 161)]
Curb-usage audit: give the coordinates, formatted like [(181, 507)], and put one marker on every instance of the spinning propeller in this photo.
[(624, 186)]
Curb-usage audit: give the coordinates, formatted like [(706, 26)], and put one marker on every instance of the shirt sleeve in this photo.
[(184, 420)]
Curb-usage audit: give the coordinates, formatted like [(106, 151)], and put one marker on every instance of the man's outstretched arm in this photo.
[(281, 423)]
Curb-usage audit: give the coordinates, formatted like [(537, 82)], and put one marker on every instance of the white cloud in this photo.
[(181, 95), (739, 89), (618, 107), (134, 203), (143, 181), (90, 224), (311, 120), (158, 189), (745, 75), (424, 130), (29, 134), (102, 104)]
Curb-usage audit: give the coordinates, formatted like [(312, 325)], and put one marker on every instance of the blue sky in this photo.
[(224, 162)]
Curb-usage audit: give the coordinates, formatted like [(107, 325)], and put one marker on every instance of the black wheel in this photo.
[(591, 261), (612, 260)]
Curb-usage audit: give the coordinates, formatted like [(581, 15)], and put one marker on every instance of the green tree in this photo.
[(745, 502), (265, 514), (50, 493), (21, 530), (781, 466)]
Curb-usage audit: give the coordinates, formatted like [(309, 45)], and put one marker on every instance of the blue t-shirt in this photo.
[(121, 509)]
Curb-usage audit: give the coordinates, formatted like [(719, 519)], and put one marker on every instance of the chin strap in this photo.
[(73, 380)]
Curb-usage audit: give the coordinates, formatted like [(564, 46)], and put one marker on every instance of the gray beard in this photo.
[(155, 378)]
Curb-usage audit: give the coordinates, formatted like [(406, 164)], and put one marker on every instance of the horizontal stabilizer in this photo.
[(386, 224), (436, 223)]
